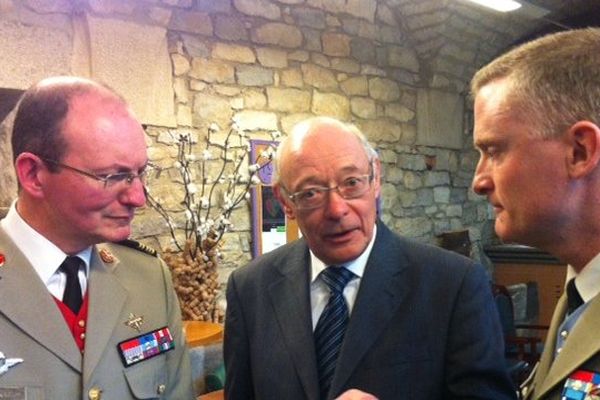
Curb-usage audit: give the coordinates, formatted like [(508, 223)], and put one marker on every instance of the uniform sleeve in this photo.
[(238, 379), (475, 365), (178, 362)]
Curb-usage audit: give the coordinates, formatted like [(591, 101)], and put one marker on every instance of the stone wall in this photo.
[(184, 64)]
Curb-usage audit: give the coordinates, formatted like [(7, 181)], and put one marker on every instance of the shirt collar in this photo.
[(356, 266), (588, 280), (43, 255)]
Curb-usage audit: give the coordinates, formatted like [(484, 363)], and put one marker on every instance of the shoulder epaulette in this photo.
[(134, 244)]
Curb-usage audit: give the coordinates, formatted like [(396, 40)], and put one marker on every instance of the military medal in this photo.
[(2, 259), (582, 385), (135, 322), (146, 346)]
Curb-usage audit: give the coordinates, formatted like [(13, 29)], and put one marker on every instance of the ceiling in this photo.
[(453, 38)]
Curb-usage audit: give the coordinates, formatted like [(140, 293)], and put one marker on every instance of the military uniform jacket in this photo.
[(581, 351), (130, 284)]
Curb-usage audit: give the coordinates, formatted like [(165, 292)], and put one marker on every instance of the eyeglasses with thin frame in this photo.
[(109, 180), (351, 187)]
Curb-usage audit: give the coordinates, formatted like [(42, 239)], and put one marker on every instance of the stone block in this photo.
[(258, 8), (249, 120), (345, 65), (403, 57), (385, 14), (414, 227), (320, 59), (362, 9), (112, 6), (367, 69), (228, 91), (312, 39), (209, 108), (336, 44), (441, 195), (192, 22), (413, 162), (381, 130), (251, 75), (181, 65), (254, 99), (181, 90), (184, 115), (161, 16), (309, 17), (357, 86), (195, 46), (437, 178), (212, 71), (299, 55), (292, 78), (30, 53), (440, 119), (288, 100), (279, 34), (118, 46), (230, 28), (330, 104), (454, 210), (383, 89), (318, 77), (212, 6), (363, 107), (233, 52), (273, 58), (399, 112), (362, 49)]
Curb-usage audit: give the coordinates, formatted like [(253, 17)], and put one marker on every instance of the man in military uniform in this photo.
[(84, 313)]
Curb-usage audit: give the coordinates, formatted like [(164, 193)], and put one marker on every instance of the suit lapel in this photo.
[(289, 294), (25, 300), (381, 293), (106, 300), (583, 342)]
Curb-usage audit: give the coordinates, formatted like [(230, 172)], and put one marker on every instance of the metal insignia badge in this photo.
[(106, 256), (7, 363), (146, 346), (135, 322)]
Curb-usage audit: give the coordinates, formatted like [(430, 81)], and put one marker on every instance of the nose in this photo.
[(482, 181), (336, 206), (135, 194)]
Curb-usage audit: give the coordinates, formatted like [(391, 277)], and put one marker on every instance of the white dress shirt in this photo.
[(319, 292), (587, 281), (43, 255)]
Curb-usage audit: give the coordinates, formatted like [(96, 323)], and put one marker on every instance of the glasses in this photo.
[(109, 180), (352, 187)]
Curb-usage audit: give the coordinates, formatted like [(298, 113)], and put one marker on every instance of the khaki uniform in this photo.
[(123, 284)]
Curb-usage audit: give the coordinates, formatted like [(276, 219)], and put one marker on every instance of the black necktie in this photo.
[(331, 326), (574, 299), (72, 295)]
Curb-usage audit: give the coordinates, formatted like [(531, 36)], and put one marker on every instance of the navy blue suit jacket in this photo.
[(424, 326)]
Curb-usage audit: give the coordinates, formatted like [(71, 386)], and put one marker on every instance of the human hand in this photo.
[(355, 394)]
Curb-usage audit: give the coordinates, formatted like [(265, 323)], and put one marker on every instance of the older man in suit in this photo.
[(352, 309), (81, 316), (537, 128)]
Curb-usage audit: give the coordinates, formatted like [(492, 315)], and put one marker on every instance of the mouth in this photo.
[(340, 236)]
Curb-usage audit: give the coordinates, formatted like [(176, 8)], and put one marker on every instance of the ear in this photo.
[(584, 154), (285, 201), (29, 169), (377, 176)]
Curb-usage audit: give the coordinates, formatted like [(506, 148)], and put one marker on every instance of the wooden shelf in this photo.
[(200, 333)]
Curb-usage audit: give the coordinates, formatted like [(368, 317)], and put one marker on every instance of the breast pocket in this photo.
[(147, 380)]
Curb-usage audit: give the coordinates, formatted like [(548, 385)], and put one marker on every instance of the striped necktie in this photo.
[(331, 326)]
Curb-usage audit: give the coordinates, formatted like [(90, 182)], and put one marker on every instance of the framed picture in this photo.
[(270, 228)]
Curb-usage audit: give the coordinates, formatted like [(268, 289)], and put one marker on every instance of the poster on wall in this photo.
[(270, 229)]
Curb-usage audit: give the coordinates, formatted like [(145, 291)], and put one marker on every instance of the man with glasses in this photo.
[(84, 312), (352, 309)]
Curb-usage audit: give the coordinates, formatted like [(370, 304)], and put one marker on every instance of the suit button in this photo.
[(95, 393), (564, 334), (161, 389)]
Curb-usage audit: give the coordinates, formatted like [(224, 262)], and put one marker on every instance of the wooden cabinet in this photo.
[(521, 264)]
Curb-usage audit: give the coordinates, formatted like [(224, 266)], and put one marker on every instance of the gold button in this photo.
[(81, 323), (558, 350), (161, 389), (82, 335), (95, 393)]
